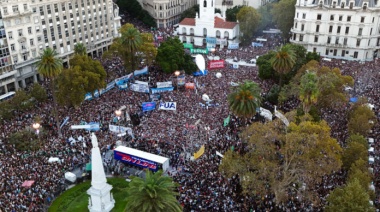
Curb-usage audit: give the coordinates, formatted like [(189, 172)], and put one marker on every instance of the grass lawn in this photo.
[(76, 198)]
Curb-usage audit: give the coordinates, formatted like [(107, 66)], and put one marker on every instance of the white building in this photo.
[(166, 12), (347, 29), (29, 26), (208, 25)]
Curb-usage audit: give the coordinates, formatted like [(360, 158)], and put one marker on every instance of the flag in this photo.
[(226, 121)]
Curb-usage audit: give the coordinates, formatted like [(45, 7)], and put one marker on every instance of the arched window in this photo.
[(226, 34), (204, 3)]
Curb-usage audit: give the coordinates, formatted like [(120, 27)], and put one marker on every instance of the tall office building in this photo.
[(29, 26), (348, 29)]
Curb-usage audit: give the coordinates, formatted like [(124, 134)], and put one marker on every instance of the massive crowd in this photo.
[(202, 187)]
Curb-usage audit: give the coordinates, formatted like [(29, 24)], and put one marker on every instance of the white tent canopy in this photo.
[(52, 160)]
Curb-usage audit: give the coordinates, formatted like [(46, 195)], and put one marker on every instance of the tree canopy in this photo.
[(249, 20), (351, 197), (309, 90), (283, 15), (245, 99), (232, 12), (278, 159), (283, 61), (134, 9), (361, 120), (154, 193), (171, 57)]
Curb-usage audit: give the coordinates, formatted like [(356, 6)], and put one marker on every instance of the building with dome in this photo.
[(208, 28)]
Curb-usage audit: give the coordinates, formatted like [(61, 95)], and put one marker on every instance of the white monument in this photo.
[(101, 199)]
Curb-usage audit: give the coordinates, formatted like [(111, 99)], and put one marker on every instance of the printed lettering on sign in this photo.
[(216, 64), (168, 106)]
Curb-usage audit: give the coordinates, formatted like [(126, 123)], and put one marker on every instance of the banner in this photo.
[(109, 87), (200, 73), (161, 90), (136, 161), (226, 121), (164, 84), (92, 126), (140, 88), (120, 129), (233, 46), (210, 40), (148, 106), (141, 71), (199, 51), (181, 80), (221, 41), (123, 86), (168, 106), (124, 78), (141, 82), (154, 97), (214, 64), (188, 45), (254, 44), (190, 85), (64, 122), (199, 153)]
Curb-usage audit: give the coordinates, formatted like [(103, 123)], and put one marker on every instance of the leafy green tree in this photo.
[(93, 71), (351, 197), (266, 70), (25, 139), (249, 20), (232, 12), (38, 92), (21, 101), (72, 84), (283, 61), (361, 120), (278, 159), (273, 93), (358, 173), (148, 51), (6, 111), (131, 40), (80, 49), (355, 150), (312, 56), (245, 99), (154, 193), (133, 8), (358, 139), (309, 91), (283, 15), (266, 16), (190, 13), (171, 57), (49, 65)]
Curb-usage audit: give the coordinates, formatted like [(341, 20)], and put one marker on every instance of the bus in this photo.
[(7, 96), (141, 159)]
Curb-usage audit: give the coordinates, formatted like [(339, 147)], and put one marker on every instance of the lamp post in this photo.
[(36, 126), (118, 115)]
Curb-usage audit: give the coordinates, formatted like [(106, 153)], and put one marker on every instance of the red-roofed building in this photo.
[(207, 28)]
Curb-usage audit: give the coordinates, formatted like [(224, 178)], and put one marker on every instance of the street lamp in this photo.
[(36, 126), (177, 73), (118, 114)]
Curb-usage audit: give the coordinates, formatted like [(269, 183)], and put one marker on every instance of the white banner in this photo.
[(168, 106), (120, 129), (164, 84), (140, 88), (141, 82)]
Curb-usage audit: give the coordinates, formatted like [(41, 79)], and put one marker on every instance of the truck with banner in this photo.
[(214, 64), (141, 159)]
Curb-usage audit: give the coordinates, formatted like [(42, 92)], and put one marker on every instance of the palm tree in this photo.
[(245, 99), (309, 90), (131, 39), (155, 193), (283, 61), (80, 49), (49, 65)]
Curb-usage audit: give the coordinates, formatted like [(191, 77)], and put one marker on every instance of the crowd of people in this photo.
[(173, 134)]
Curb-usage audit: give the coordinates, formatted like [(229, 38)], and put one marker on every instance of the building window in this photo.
[(25, 7), (20, 32), (13, 47), (358, 42), (340, 17), (303, 15), (10, 35), (331, 17), (301, 37), (342, 5), (348, 18), (30, 30), (15, 58), (31, 42), (317, 28), (347, 30), (41, 10), (319, 16), (362, 19), (302, 27), (330, 29), (316, 39), (5, 10), (351, 5), (337, 40), (343, 53), (360, 31), (15, 8), (338, 30), (356, 54), (345, 41), (327, 52), (328, 40)]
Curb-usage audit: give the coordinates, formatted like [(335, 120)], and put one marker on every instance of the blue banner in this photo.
[(161, 90), (123, 86), (141, 72), (200, 73), (93, 126), (139, 88), (136, 161), (233, 46), (211, 40), (109, 87), (148, 106), (254, 44)]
